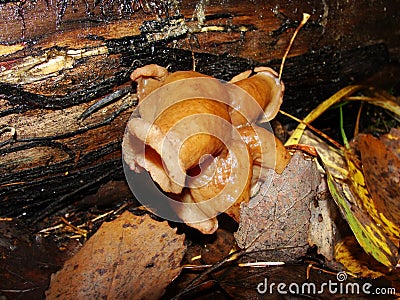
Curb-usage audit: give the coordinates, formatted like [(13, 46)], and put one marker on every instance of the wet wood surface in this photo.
[(250, 29)]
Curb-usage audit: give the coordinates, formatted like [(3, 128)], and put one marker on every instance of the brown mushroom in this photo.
[(267, 152), (197, 138), (148, 79), (173, 129), (222, 184), (265, 87)]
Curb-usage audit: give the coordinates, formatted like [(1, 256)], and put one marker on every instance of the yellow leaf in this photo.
[(349, 253), (368, 235)]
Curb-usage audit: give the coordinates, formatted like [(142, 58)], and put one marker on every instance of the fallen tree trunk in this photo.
[(52, 155)]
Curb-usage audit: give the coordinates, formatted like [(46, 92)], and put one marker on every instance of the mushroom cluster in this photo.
[(197, 138)]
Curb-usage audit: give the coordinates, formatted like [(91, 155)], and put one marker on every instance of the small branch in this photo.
[(304, 21)]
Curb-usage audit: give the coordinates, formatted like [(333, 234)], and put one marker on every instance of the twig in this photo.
[(80, 231), (304, 21), (102, 216), (46, 230), (229, 258), (233, 256), (18, 291), (122, 207), (196, 267), (12, 183), (357, 126), (261, 264)]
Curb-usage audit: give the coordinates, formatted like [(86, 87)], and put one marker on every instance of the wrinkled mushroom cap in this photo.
[(175, 130), (197, 138), (265, 87)]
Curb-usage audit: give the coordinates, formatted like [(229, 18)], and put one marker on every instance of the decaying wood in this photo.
[(55, 68), (257, 29)]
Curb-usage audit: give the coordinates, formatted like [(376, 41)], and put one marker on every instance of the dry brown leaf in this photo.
[(278, 217), (392, 141), (381, 168), (132, 257)]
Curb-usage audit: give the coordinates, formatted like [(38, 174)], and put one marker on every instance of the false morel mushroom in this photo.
[(197, 138)]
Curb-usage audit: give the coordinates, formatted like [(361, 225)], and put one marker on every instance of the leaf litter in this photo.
[(132, 257), (364, 181), (285, 234), (279, 224)]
